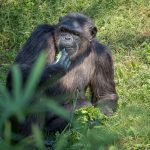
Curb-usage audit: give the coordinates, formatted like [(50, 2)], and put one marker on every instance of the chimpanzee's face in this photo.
[(74, 32), (69, 38)]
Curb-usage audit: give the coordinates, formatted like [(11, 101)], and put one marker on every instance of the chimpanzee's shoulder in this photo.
[(45, 28), (101, 48)]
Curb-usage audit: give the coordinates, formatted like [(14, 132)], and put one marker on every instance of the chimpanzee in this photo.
[(85, 63)]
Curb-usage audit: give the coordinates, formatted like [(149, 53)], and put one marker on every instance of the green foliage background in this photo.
[(124, 25)]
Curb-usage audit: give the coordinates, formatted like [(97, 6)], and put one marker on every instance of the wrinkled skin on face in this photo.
[(69, 40), (73, 32)]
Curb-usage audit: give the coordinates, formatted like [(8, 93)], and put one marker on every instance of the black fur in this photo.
[(91, 65)]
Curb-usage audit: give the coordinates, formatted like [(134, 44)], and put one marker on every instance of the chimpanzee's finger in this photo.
[(69, 63)]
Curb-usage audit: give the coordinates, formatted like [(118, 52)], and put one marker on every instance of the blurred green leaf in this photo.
[(37, 134), (7, 132), (34, 77), (56, 108), (17, 83)]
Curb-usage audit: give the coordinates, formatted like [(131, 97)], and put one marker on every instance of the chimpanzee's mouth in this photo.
[(69, 50)]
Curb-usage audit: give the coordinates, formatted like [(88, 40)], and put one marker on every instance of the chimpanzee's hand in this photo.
[(56, 70), (107, 107), (63, 61)]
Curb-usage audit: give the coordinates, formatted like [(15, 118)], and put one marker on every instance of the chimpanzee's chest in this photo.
[(75, 80), (72, 83)]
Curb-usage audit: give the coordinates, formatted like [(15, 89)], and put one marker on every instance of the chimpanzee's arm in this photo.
[(51, 73), (41, 39), (103, 87)]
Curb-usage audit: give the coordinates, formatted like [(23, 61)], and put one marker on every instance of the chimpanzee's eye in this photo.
[(63, 30), (76, 33)]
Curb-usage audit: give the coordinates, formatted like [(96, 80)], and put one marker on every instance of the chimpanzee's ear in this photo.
[(93, 32)]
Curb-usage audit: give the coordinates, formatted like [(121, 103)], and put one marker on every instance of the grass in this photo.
[(124, 25)]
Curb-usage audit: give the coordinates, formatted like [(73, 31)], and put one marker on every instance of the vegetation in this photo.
[(124, 25)]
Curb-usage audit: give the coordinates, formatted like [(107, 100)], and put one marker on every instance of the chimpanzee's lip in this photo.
[(68, 49)]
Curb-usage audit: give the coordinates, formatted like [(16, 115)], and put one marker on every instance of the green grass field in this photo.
[(123, 25)]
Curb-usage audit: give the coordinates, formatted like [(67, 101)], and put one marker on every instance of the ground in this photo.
[(124, 25)]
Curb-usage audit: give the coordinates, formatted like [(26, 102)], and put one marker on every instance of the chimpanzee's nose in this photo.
[(68, 38)]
